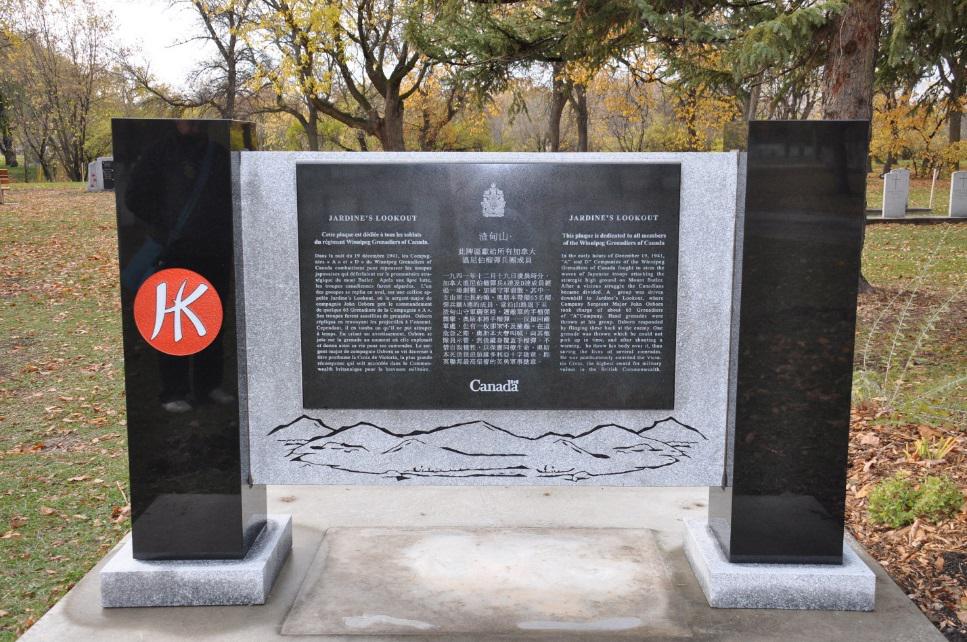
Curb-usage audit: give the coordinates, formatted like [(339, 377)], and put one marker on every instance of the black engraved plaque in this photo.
[(473, 285)]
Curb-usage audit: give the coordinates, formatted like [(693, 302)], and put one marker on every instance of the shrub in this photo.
[(896, 502), (891, 502), (938, 498)]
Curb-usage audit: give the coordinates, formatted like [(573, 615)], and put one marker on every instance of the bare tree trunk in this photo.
[(580, 103), (956, 116), (848, 73), (9, 153), (312, 129), (558, 100), (426, 136), (390, 131), (6, 137), (691, 129), (231, 89), (361, 139), (888, 164), (46, 170), (751, 103)]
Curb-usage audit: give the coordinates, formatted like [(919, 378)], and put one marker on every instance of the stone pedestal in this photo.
[(850, 586), (128, 582)]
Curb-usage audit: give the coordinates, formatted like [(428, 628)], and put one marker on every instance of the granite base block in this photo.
[(847, 587), (127, 582)]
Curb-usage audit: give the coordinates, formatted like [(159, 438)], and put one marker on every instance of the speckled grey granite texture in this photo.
[(127, 582), (847, 587), (958, 194), (668, 455)]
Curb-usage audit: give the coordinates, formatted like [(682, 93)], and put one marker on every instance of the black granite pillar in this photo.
[(189, 493), (786, 478)]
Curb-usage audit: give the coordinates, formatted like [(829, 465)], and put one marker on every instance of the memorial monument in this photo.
[(680, 319)]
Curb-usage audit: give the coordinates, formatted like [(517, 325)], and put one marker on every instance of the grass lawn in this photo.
[(911, 353), (63, 469), (65, 185)]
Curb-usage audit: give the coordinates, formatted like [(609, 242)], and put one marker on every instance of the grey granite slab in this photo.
[(488, 582), (127, 582), (682, 447), (847, 587)]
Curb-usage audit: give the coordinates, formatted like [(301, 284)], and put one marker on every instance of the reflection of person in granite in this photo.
[(177, 188)]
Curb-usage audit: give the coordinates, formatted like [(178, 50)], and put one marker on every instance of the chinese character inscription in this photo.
[(517, 286)]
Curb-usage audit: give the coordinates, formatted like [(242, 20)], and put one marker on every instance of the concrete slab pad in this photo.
[(127, 582), (847, 587), (78, 616), (495, 581)]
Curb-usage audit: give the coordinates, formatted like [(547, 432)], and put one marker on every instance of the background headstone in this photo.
[(958, 194), (93, 178), (896, 193), (100, 174), (106, 164)]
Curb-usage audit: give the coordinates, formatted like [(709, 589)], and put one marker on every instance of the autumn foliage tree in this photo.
[(56, 69), (349, 60)]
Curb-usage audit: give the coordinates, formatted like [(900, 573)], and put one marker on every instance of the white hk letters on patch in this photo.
[(179, 307)]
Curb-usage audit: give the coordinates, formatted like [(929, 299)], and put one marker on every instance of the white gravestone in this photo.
[(958, 194), (93, 175), (896, 193)]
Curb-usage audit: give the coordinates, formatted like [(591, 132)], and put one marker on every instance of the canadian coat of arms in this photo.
[(493, 202)]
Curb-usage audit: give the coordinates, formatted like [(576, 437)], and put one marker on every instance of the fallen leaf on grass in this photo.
[(47, 510), (10, 535), (869, 439), (79, 478), (120, 513)]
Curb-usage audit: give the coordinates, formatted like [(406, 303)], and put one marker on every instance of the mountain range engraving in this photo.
[(481, 449)]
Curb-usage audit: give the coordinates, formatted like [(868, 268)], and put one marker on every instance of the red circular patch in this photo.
[(178, 312)]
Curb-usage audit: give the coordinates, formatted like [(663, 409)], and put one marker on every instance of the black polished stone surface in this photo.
[(785, 495), (189, 495), (509, 281)]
